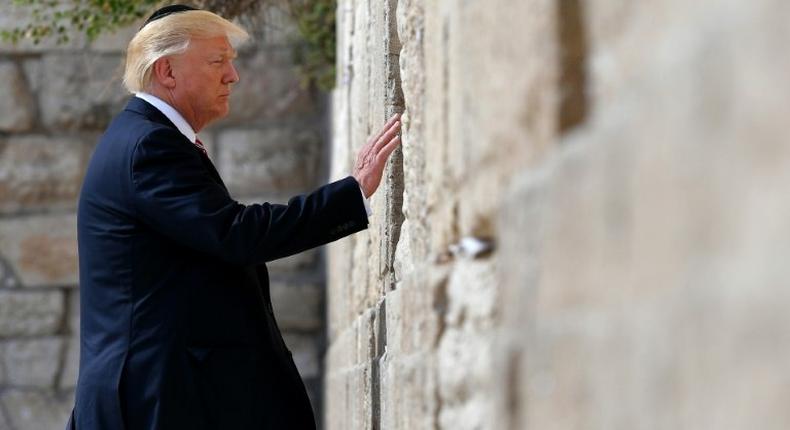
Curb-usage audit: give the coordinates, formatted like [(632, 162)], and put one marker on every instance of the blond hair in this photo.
[(170, 35)]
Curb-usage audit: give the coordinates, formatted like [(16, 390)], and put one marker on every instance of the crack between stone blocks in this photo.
[(10, 279), (64, 347), (394, 101), (380, 346)]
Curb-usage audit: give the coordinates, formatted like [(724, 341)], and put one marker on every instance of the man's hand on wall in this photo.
[(373, 156)]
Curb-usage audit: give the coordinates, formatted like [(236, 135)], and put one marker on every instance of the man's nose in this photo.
[(231, 75)]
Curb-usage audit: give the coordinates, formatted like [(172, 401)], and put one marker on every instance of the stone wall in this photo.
[(55, 101), (586, 225)]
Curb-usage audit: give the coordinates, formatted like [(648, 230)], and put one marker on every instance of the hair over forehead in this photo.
[(170, 35)]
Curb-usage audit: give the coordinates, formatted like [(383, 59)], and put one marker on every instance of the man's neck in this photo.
[(171, 113), (183, 109)]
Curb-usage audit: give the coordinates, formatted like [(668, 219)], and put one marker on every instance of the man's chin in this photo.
[(222, 112)]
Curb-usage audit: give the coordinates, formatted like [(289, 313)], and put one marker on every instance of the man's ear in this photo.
[(163, 73)]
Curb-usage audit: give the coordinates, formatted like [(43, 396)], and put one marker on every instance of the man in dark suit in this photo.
[(177, 330)]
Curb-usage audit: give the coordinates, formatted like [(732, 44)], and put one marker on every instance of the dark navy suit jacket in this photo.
[(177, 330)]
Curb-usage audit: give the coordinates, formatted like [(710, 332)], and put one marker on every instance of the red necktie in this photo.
[(200, 146)]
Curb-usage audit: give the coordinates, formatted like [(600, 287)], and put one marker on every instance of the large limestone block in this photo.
[(35, 409), (465, 351), (338, 268), (256, 161), (502, 71), (80, 91), (17, 106), (409, 393), (32, 363), (364, 285), (42, 249), (40, 172), (297, 306), (465, 361), (30, 313), (415, 311)]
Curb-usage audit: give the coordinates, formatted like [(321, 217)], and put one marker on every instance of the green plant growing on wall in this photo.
[(60, 19), (316, 22)]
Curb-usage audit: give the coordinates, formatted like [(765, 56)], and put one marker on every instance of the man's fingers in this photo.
[(391, 121), (385, 152), (384, 129), (391, 132)]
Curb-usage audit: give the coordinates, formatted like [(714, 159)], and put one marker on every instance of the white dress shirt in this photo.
[(183, 126)]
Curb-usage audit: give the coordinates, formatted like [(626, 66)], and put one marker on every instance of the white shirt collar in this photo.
[(171, 113)]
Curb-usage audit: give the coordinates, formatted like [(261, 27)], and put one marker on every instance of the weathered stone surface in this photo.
[(30, 313), (409, 398), (297, 306), (32, 363), (280, 30), (17, 106), (268, 89), (305, 354), (116, 41), (41, 249), (40, 172), (297, 262), (34, 409), (80, 91), (642, 241), (254, 161)]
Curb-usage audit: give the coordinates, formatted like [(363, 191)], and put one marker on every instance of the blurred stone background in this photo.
[(55, 100), (625, 166)]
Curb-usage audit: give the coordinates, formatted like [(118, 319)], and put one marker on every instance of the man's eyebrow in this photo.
[(231, 54)]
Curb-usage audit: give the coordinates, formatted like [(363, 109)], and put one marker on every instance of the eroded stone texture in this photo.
[(297, 306), (626, 161), (255, 161), (30, 313), (80, 91), (28, 409), (17, 107), (32, 363), (38, 172), (41, 249)]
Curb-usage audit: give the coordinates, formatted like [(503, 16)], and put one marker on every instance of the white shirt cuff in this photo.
[(366, 202)]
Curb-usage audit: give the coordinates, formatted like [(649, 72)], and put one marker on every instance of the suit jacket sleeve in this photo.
[(174, 195)]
